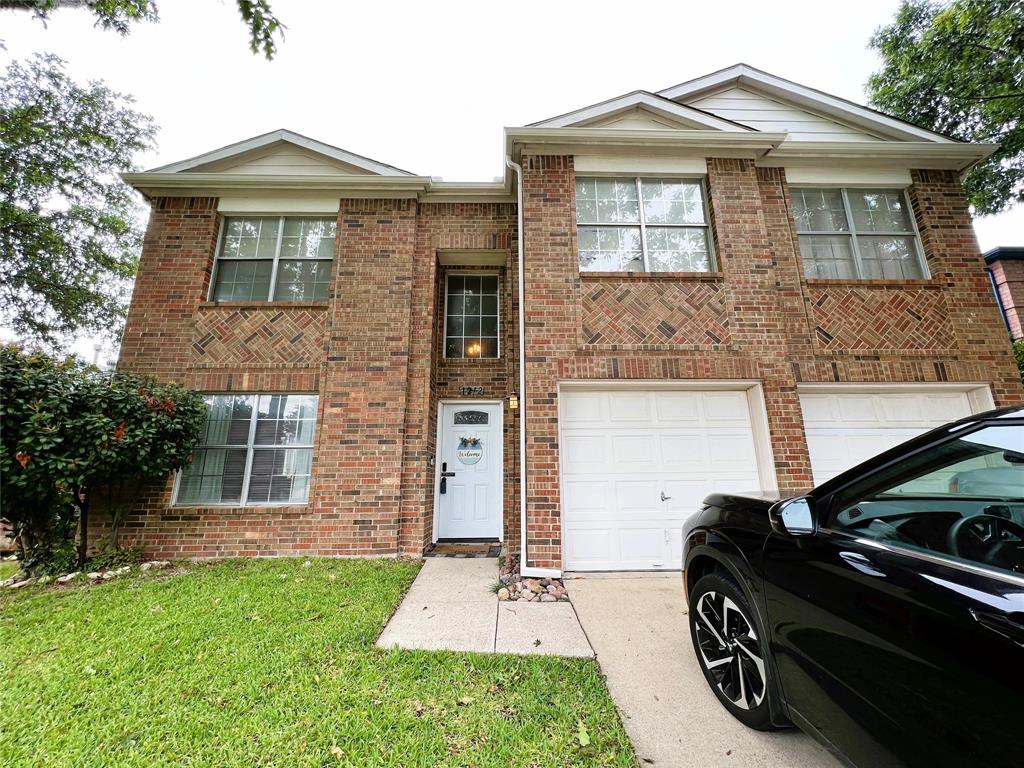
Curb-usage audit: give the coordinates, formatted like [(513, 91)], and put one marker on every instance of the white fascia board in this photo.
[(154, 184), (290, 137), (954, 156), (572, 141), (469, 192), (827, 104), (655, 104)]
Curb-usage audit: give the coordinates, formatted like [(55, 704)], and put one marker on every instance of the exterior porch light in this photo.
[(513, 402)]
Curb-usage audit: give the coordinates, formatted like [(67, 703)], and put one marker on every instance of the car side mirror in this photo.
[(794, 517)]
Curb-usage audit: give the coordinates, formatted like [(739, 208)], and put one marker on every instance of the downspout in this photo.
[(524, 569), (999, 301)]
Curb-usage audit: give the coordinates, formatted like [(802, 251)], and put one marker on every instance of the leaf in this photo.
[(581, 734), (465, 701)]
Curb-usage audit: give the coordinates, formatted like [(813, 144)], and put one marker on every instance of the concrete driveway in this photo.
[(638, 628)]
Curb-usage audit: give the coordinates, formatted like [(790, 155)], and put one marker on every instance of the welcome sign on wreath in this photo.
[(470, 450)]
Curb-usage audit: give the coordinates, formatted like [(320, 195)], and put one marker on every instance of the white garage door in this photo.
[(636, 464), (844, 429)]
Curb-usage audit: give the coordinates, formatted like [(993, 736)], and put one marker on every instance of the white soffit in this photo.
[(751, 80), (839, 176), (640, 109)]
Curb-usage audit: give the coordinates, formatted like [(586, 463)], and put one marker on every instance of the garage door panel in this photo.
[(683, 453), (633, 449), (629, 407), (639, 544), (624, 450), (726, 408), (857, 409), (677, 407), (582, 408)]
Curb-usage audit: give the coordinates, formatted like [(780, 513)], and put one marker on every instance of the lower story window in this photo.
[(256, 449)]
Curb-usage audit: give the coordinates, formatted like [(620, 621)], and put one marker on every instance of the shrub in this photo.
[(70, 430), (1018, 352)]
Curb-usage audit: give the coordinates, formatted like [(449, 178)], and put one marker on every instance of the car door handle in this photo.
[(1010, 626), (862, 563)]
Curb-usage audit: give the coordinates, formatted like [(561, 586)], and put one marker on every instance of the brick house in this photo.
[(1006, 269), (734, 283)]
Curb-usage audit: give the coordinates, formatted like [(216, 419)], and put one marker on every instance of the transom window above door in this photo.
[(642, 225), (274, 259), (471, 316), (857, 233)]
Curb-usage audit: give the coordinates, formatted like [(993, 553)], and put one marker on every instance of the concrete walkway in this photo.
[(637, 624), (450, 607)]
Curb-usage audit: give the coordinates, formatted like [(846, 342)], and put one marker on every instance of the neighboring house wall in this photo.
[(1007, 268), (759, 318)]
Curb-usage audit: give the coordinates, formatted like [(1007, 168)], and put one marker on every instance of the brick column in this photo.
[(761, 293), (365, 381)]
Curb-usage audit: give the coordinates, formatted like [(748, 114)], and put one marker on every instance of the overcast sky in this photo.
[(428, 86)]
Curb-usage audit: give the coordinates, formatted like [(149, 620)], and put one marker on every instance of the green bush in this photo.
[(70, 430), (1018, 352), (114, 558)]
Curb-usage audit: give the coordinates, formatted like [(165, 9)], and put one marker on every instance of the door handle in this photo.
[(862, 563), (1010, 626), (664, 497)]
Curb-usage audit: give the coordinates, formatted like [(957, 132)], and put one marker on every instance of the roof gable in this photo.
[(282, 153), (644, 111), (814, 115)]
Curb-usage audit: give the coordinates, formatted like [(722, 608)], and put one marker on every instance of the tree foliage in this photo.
[(69, 427), (119, 15), (958, 68), (69, 233)]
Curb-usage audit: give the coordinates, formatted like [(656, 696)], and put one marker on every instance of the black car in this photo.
[(882, 613)]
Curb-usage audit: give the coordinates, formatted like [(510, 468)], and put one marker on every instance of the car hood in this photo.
[(752, 500)]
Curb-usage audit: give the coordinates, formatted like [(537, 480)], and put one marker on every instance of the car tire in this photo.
[(730, 650)]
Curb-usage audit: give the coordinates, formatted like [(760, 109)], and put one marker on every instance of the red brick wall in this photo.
[(769, 323)]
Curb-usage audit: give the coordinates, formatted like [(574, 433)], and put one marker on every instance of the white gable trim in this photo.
[(267, 140), (688, 116), (746, 76)]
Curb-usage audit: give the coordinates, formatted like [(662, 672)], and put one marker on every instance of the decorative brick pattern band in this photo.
[(244, 336)]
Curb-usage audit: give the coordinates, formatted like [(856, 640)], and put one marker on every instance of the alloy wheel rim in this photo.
[(729, 650)]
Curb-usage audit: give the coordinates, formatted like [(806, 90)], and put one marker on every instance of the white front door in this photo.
[(469, 472)]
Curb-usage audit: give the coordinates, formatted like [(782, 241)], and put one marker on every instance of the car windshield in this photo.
[(988, 463)]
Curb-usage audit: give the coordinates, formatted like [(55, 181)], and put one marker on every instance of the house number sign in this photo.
[(472, 391)]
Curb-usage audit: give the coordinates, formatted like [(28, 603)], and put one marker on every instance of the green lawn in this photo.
[(8, 568), (269, 663)]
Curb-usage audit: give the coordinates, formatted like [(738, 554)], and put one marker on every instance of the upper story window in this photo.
[(256, 449), (642, 225), (857, 233), (274, 259), (471, 316)]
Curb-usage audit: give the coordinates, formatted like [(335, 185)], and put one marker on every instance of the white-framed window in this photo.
[(643, 225), (256, 450), (858, 234), (274, 258), (471, 315)]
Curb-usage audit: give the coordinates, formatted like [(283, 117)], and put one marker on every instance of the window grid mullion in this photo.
[(277, 258), (249, 450), (643, 224), (855, 248)]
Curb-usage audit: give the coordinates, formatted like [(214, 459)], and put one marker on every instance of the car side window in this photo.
[(962, 498)]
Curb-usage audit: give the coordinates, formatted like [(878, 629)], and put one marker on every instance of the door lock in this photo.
[(444, 470), (664, 497)]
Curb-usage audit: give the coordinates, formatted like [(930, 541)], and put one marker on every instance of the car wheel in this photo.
[(729, 649)]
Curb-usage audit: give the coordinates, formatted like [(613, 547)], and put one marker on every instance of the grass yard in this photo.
[(8, 568), (269, 663)]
